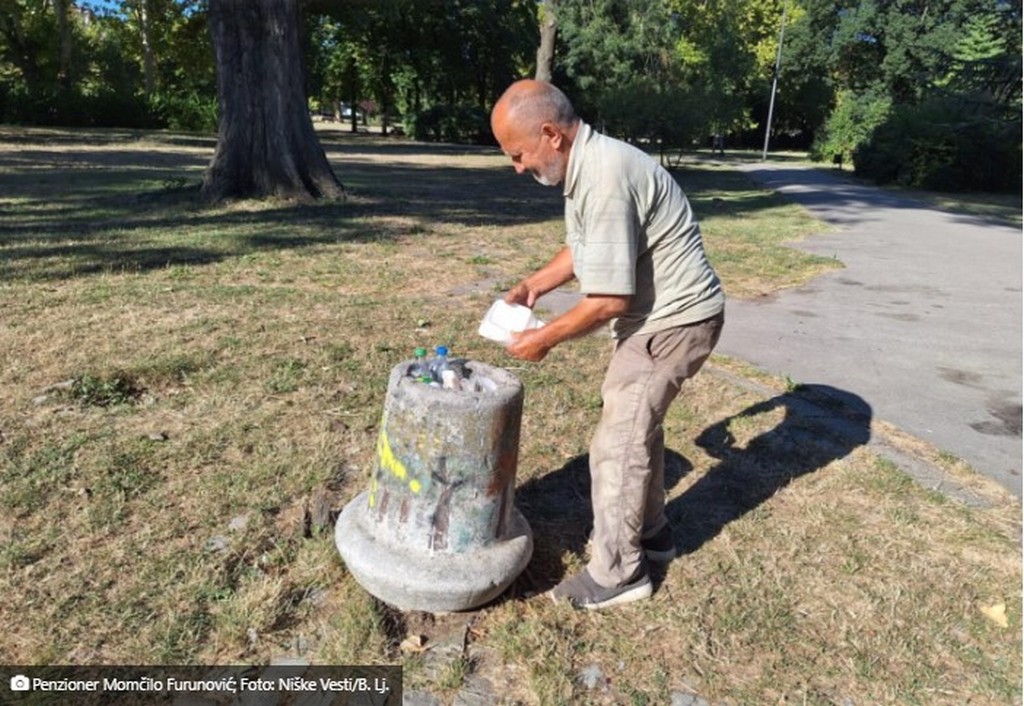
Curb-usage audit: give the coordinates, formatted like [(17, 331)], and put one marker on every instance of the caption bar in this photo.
[(279, 685)]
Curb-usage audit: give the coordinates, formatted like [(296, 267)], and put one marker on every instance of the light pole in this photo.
[(775, 82)]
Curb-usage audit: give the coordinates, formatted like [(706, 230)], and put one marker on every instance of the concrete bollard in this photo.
[(438, 530)]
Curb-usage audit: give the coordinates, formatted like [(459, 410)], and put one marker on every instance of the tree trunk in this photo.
[(148, 58), (385, 93), (266, 145), (546, 50), (63, 10), (353, 96)]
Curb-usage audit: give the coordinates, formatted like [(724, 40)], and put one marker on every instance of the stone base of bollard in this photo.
[(438, 529), (410, 579)]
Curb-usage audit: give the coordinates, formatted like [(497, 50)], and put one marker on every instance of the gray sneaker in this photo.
[(581, 591)]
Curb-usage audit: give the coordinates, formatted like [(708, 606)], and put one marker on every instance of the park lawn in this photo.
[(183, 384)]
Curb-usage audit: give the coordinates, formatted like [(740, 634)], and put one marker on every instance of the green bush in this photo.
[(185, 111), (463, 123), (107, 108), (850, 124), (642, 112), (944, 144), (112, 109), (52, 106)]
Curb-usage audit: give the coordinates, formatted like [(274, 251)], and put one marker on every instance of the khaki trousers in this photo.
[(627, 454)]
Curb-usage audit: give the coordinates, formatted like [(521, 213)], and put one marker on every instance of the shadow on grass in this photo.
[(557, 506), (822, 424), (76, 210)]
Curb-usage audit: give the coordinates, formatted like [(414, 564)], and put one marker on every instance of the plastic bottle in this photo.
[(420, 368), (439, 361), (443, 370)]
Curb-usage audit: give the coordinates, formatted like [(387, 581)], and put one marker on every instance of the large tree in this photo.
[(266, 145)]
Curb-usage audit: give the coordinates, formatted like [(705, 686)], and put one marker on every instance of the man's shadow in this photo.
[(821, 424)]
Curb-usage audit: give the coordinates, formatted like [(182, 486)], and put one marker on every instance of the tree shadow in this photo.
[(76, 208), (821, 424), (841, 198)]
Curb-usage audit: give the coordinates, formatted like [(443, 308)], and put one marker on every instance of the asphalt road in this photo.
[(923, 323)]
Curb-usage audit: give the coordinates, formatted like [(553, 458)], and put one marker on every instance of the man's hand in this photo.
[(592, 311), (554, 274), (528, 345), (521, 294)]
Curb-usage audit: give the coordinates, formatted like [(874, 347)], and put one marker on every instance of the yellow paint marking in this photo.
[(386, 457)]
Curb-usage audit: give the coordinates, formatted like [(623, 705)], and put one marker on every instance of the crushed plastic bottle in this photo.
[(450, 380)]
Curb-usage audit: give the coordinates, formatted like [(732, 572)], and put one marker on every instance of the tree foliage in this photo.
[(664, 73), (922, 92), (74, 64), (440, 65)]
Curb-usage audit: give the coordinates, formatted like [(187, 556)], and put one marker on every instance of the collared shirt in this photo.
[(631, 232)]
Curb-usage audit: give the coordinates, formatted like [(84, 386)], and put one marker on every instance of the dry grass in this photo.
[(236, 360)]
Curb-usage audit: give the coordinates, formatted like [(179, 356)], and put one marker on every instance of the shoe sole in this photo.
[(634, 594), (638, 593)]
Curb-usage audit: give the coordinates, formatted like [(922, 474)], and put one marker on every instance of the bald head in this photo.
[(529, 104), (535, 125)]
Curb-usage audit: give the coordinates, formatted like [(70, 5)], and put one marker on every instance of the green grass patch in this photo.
[(105, 390)]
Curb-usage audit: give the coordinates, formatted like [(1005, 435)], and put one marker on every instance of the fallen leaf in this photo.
[(996, 613), (414, 643)]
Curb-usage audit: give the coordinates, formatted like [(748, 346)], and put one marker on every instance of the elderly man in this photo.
[(635, 248)]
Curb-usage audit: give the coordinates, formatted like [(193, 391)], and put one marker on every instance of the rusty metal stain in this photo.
[(442, 512), (506, 440), (439, 520), (503, 511)]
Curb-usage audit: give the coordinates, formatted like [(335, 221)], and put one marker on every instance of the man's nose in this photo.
[(518, 166)]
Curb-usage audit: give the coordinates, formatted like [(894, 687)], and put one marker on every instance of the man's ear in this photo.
[(552, 133)]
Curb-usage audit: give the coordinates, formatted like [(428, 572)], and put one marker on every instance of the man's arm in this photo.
[(591, 312), (554, 274)]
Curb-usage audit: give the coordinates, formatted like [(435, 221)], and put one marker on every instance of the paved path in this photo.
[(924, 322)]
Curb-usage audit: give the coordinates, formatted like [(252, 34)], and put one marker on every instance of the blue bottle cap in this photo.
[(442, 350)]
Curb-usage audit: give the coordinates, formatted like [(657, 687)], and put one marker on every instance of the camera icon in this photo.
[(20, 682)]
